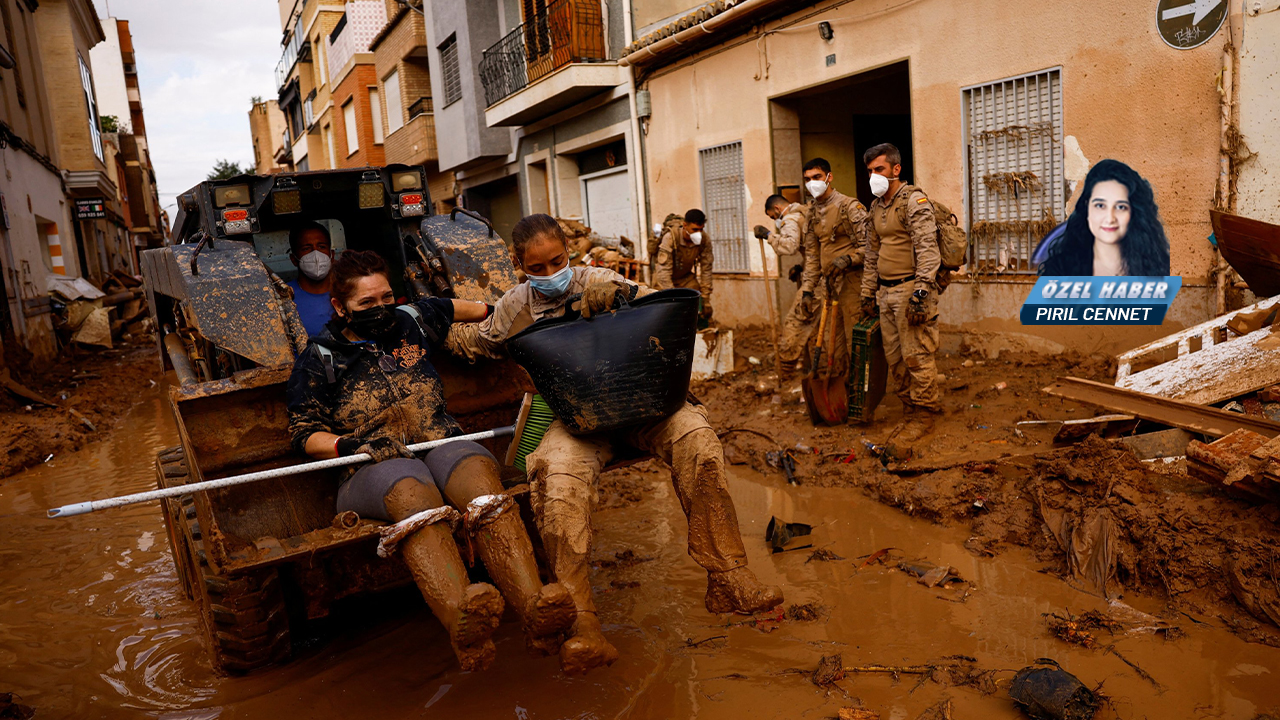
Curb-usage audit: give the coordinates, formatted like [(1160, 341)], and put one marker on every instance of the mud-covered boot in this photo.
[(546, 611), (739, 591), (469, 612), (586, 648)]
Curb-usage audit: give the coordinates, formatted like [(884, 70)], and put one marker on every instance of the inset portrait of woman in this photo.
[(1115, 229)]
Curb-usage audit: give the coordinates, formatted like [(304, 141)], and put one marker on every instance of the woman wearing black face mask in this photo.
[(366, 384)]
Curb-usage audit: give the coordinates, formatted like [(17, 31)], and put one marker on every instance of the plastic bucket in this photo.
[(615, 369)]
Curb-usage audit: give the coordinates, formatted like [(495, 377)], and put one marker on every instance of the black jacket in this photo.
[(343, 387)]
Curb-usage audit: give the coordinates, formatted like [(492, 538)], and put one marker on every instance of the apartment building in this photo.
[(302, 82), (406, 109), (356, 139), (537, 109), (269, 133)]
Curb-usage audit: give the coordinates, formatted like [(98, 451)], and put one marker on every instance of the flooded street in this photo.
[(93, 622)]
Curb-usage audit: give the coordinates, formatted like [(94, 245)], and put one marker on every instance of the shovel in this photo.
[(826, 397)]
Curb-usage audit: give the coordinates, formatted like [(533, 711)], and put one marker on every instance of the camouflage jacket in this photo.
[(677, 259), (902, 241), (787, 239), (519, 308), (348, 391), (835, 227)]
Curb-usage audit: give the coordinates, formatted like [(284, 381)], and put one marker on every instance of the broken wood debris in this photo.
[(1244, 461), (1175, 413), (1250, 247)]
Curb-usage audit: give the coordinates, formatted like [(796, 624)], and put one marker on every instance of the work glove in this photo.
[(379, 449), (761, 232), (795, 273), (603, 296), (869, 307), (943, 280), (808, 303), (916, 311), (706, 309), (840, 266)]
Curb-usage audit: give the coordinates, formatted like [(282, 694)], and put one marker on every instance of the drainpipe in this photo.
[(706, 27), (636, 149)]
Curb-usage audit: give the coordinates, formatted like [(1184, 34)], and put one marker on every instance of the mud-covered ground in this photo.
[(1091, 512), (99, 384)]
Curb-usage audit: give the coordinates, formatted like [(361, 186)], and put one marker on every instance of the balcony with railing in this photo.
[(414, 143), (547, 63)]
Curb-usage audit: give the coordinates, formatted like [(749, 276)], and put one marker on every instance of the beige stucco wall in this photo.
[(1258, 186), (1126, 95)]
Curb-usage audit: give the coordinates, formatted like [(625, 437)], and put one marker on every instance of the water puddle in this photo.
[(93, 622)]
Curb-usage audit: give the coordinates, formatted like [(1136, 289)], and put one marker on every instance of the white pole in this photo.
[(91, 505)]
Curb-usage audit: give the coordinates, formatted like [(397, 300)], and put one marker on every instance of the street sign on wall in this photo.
[(90, 208), (1186, 24)]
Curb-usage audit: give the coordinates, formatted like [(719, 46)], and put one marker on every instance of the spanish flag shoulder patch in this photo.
[(921, 200)]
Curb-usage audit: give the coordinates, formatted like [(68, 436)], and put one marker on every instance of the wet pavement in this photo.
[(93, 622)]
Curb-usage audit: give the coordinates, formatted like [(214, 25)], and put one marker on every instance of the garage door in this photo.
[(608, 204)]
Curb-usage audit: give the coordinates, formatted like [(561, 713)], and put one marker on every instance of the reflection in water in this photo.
[(94, 623)]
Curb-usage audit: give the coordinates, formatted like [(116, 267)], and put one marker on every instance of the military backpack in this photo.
[(953, 244)]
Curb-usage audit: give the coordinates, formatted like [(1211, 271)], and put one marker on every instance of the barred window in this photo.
[(724, 202), (449, 70), (1016, 188)]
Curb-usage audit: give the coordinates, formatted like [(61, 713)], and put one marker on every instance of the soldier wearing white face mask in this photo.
[(679, 257), (311, 250), (836, 226)]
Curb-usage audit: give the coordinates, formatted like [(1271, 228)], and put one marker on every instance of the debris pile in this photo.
[(590, 248), (99, 317)]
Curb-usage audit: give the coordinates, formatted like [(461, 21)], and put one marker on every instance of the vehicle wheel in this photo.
[(243, 615)]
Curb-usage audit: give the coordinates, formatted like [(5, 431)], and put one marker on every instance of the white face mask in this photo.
[(696, 238), (315, 265), (777, 222), (879, 185), (657, 229), (816, 187)]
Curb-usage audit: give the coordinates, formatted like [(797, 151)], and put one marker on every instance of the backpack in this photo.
[(672, 223), (953, 243)]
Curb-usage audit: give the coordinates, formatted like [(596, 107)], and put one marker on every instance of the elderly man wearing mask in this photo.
[(311, 251)]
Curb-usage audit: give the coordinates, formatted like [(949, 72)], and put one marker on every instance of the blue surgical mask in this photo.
[(553, 285)]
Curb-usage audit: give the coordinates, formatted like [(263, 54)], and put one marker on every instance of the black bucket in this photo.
[(615, 369)]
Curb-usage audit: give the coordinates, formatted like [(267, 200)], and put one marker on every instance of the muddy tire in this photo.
[(244, 616)]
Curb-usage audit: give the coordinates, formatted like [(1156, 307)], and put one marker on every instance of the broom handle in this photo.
[(773, 315), (91, 505)]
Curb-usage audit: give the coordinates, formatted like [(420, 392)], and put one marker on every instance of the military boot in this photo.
[(739, 591)]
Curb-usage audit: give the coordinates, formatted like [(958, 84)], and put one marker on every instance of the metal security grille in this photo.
[(724, 201), (1016, 188), (449, 67)]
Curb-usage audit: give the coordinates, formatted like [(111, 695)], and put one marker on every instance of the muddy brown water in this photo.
[(93, 622)]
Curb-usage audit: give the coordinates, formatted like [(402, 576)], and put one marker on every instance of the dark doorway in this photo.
[(840, 120), (499, 201)]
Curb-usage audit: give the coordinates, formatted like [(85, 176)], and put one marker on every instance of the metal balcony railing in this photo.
[(566, 31), (421, 106)]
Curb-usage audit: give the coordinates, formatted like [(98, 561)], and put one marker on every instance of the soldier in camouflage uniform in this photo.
[(835, 232), (797, 327), (899, 281), (681, 250)]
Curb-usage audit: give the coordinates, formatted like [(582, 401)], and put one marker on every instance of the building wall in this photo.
[(1126, 95), (354, 86), (1258, 186), (475, 24), (108, 76), (266, 126), (67, 29)]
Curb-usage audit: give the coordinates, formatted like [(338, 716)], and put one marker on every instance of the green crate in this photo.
[(868, 370)]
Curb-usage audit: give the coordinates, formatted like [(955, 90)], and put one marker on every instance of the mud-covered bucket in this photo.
[(615, 369)]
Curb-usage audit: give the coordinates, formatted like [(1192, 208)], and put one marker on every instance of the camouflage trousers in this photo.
[(909, 349)]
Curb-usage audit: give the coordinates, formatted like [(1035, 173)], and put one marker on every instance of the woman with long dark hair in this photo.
[(1114, 230)]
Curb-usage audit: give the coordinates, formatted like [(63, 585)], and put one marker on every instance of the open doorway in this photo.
[(499, 201), (838, 121)]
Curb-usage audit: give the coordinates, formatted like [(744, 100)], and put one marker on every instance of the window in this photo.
[(349, 119), (328, 141), (724, 202), (375, 107), (1016, 193), (449, 71), (86, 81), (395, 115)]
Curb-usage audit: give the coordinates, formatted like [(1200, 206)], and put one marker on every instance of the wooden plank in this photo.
[(1253, 249), (1181, 341), (1184, 415)]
